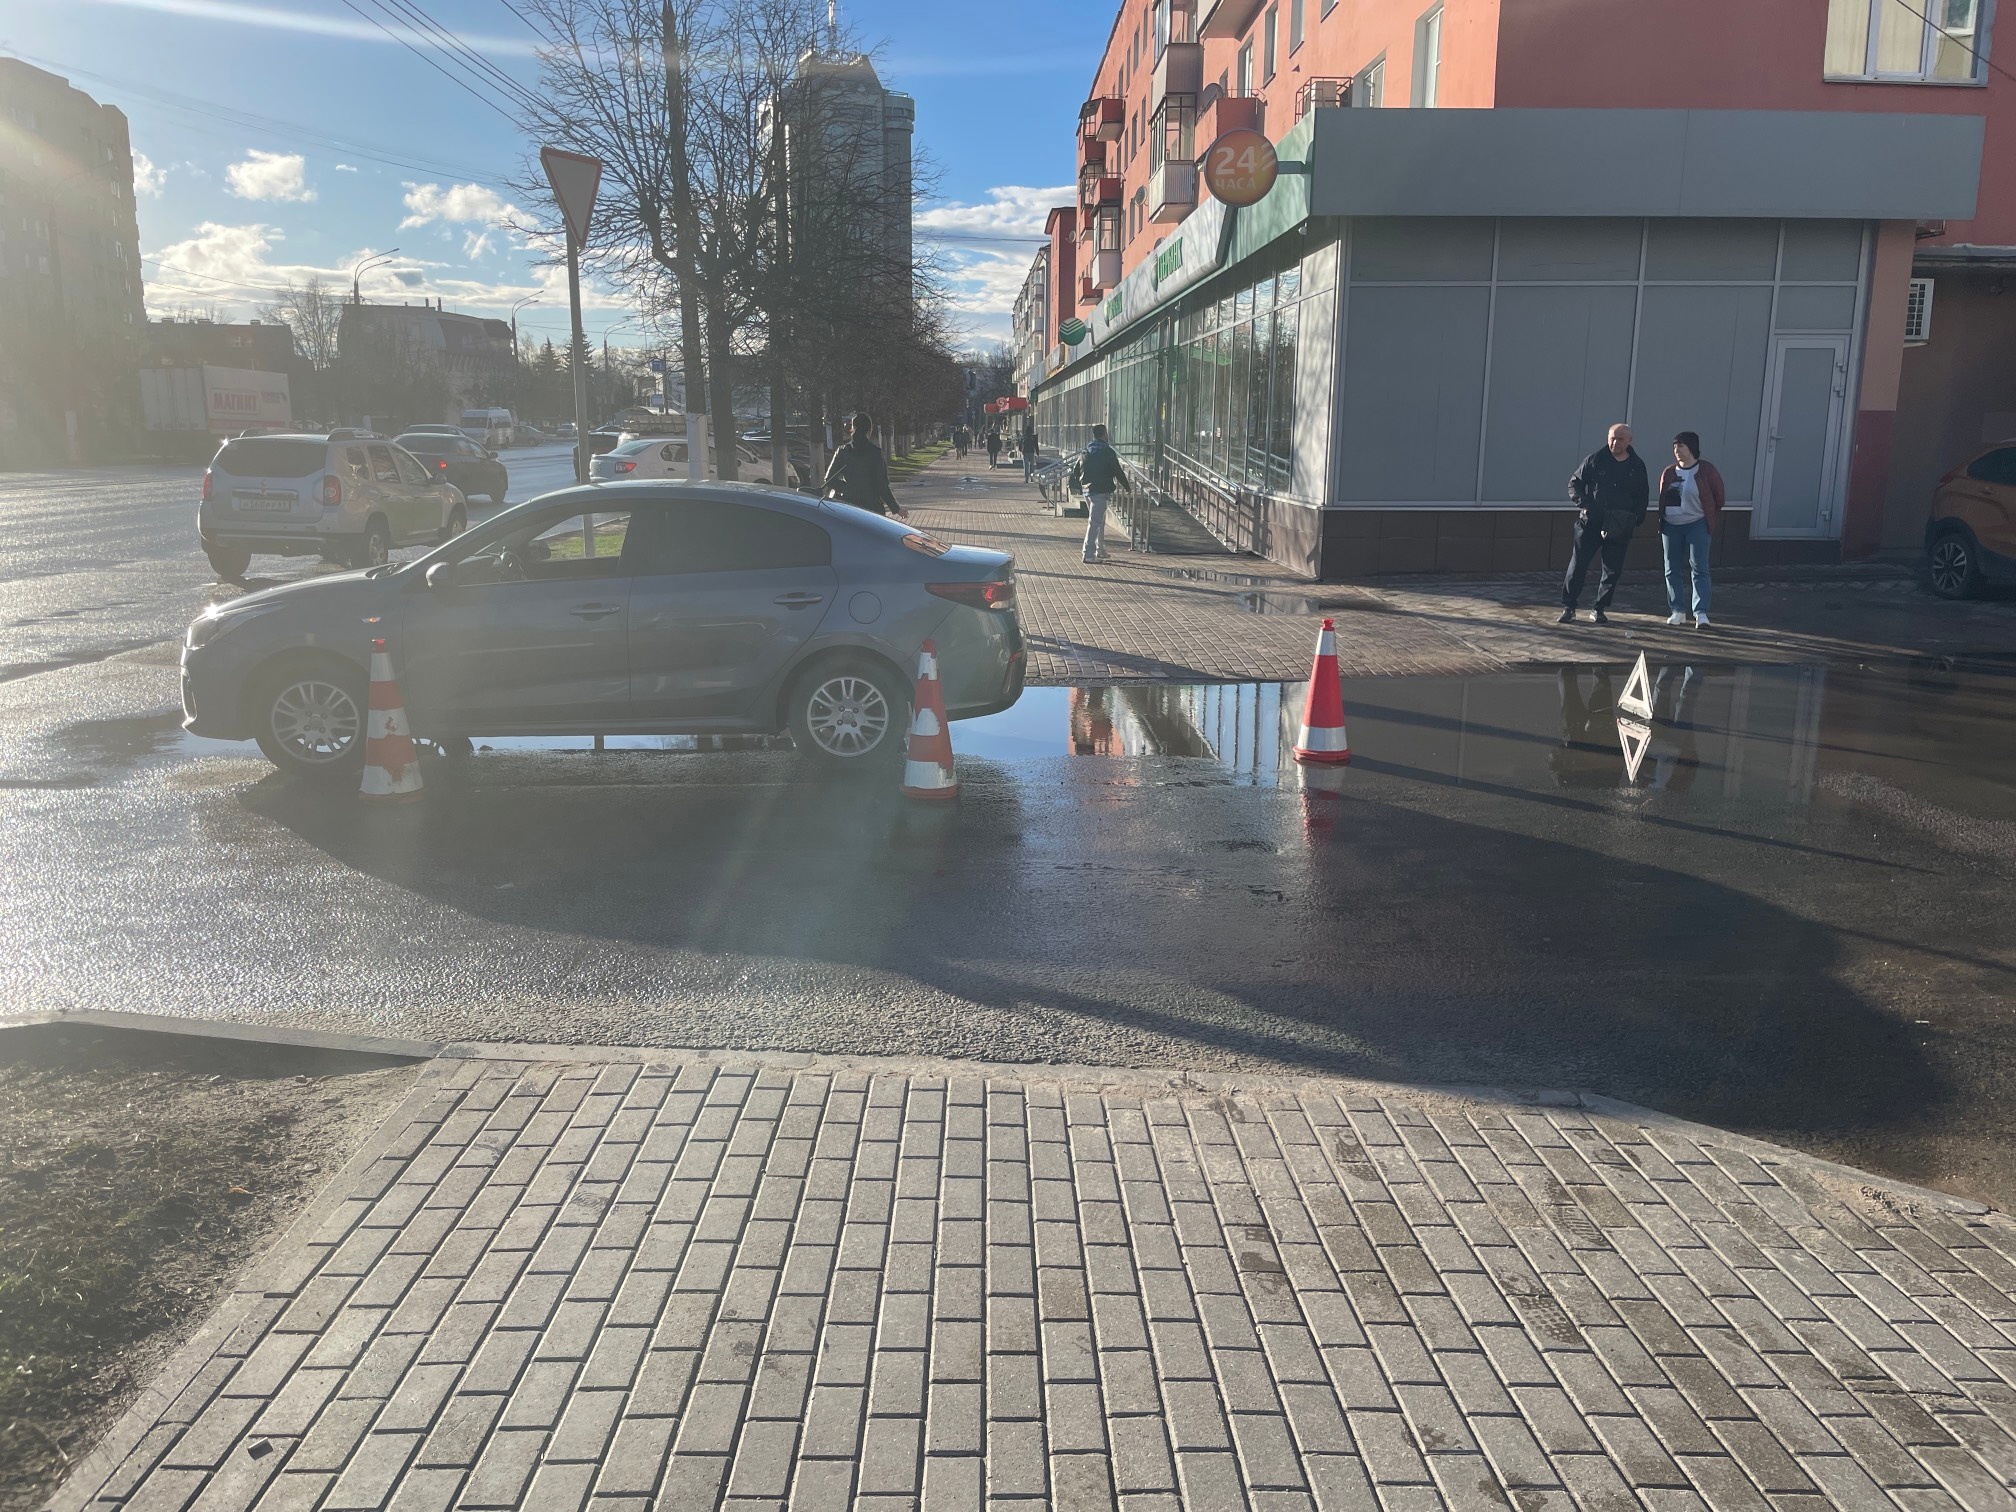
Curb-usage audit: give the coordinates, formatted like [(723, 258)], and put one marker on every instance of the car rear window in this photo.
[(1998, 466), (426, 443), (710, 536), (263, 457)]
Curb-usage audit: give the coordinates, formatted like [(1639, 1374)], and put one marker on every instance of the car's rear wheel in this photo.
[(1954, 566), (458, 521), (228, 562), (849, 713), (310, 717), (375, 549)]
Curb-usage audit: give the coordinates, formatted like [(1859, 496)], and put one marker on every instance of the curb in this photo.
[(224, 1029)]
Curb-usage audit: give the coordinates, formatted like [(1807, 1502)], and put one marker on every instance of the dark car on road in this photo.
[(624, 608), (473, 469)]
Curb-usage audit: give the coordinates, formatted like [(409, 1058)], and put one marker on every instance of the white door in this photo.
[(1805, 400)]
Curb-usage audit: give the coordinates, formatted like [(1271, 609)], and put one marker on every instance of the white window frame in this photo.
[(1984, 22), (1375, 73), (1271, 29), (1428, 59), (1918, 313)]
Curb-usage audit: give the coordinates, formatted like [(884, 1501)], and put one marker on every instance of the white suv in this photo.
[(349, 496)]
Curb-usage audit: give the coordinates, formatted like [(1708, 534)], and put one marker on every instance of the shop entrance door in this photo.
[(1806, 397)]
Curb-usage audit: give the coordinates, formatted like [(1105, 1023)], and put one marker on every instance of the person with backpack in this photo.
[(1102, 472), (859, 475)]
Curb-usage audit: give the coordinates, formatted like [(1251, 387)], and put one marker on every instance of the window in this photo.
[(554, 546), (1924, 41), (1428, 59), (1272, 33), (411, 473), (713, 537), (383, 468), (1245, 70), (1294, 24), (1368, 89), (1998, 466), (1918, 311)]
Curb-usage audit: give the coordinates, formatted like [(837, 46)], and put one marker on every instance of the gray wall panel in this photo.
[(1701, 359), (1842, 165), (1816, 309), (1569, 250), (1560, 377), (1413, 393), (1822, 251), (1710, 249), (1421, 251)]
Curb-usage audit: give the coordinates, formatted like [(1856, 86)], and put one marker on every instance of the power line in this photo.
[(409, 12), (453, 78)]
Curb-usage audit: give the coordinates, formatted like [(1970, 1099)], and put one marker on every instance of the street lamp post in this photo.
[(528, 299), (356, 295)]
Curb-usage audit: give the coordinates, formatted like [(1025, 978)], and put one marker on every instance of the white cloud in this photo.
[(1011, 211), (345, 168), (270, 176), (467, 204), (147, 179)]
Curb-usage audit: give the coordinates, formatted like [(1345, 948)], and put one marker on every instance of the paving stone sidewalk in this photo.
[(1146, 617), (566, 1278)]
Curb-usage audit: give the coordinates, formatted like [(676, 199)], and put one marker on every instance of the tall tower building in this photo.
[(71, 311)]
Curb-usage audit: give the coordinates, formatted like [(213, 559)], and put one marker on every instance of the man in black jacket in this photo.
[(1610, 491)]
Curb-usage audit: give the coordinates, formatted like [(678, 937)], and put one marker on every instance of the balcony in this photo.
[(1105, 272), (1179, 71), (1102, 118), (1088, 292), (1097, 188), (1228, 113), (1172, 192), (1091, 153), (1321, 94), (1227, 18)]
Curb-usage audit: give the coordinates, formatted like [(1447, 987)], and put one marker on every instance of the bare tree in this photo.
[(311, 312)]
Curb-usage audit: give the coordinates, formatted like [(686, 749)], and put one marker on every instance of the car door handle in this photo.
[(799, 600), (595, 611)]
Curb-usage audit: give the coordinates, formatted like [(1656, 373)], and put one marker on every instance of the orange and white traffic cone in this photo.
[(391, 766), (1323, 738), (928, 771)]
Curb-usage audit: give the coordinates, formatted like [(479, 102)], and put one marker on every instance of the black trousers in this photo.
[(1590, 542)]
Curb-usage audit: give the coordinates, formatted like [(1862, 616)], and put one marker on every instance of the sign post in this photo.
[(575, 180)]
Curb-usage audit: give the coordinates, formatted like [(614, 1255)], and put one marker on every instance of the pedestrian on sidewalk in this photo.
[(1611, 493), (993, 446), (1691, 495), (962, 438), (1031, 446), (1103, 473), (859, 475)]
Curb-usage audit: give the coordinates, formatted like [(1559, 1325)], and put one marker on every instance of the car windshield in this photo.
[(264, 457)]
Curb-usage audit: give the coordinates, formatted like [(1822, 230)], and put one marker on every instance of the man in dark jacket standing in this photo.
[(1031, 445), (1610, 491), (1102, 473), (859, 475)]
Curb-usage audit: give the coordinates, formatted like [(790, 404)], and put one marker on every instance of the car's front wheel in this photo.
[(1954, 566), (849, 713), (309, 717)]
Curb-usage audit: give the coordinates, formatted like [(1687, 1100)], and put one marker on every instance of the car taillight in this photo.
[(332, 490), (206, 485), (442, 465), (999, 594), (625, 466)]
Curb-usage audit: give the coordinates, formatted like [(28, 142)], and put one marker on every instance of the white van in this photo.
[(488, 427)]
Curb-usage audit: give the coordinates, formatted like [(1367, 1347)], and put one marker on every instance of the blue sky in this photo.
[(274, 138)]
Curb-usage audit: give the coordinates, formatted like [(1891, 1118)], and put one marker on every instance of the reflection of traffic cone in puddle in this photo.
[(391, 767), (928, 772), (1323, 738)]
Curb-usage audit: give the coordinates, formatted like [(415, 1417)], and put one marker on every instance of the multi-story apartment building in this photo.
[(71, 311), (1500, 227), (1033, 323)]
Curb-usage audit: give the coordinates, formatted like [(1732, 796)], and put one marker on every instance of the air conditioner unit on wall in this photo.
[(1918, 312)]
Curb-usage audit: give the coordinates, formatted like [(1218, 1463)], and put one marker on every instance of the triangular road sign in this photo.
[(1636, 739), (1637, 695), (574, 179)]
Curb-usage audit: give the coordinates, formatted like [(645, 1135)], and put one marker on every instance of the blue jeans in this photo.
[(1095, 524), (1686, 546)]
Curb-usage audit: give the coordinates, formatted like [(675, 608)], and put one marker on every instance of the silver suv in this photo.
[(349, 496)]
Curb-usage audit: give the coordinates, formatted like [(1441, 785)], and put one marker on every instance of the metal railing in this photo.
[(1322, 94)]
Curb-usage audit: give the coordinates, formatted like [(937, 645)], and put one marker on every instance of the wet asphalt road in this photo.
[(1795, 921)]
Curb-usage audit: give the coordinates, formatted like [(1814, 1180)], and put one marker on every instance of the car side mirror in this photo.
[(442, 575)]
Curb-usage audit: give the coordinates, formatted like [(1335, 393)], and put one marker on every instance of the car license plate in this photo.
[(265, 503)]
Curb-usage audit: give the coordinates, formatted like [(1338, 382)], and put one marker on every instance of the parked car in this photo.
[(473, 469), (1971, 538), (565, 431), (628, 608), (350, 500), (644, 457), (432, 430)]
